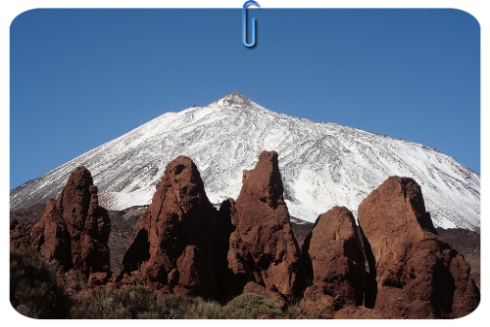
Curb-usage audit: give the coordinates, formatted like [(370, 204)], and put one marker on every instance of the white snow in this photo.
[(322, 164)]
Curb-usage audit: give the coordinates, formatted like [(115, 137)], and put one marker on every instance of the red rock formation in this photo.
[(417, 273), (180, 245), (262, 247), (317, 304), (75, 230), (51, 235), (335, 265), (20, 234)]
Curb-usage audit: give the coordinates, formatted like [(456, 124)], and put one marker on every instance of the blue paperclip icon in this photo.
[(251, 44)]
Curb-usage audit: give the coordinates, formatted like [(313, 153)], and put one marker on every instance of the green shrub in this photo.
[(245, 306), (134, 303), (137, 299), (249, 305), (148, 315), (120, 313), (129, 303), (204, 310), (97, 305), (174, 306), (139, 302), (34, 291)]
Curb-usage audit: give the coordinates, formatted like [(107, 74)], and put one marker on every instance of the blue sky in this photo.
[(80, 78)]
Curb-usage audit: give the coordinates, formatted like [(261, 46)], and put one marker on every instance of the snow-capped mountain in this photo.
[(322, 164)]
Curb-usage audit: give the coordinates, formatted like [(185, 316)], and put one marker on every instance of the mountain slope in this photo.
[(322, 164)]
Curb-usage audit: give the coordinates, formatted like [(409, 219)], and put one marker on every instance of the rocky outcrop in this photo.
[(20, 234), (334, 264), (262, 247), (415, 273), (394, 265), (316, 304), (52, 236), (75, 230), (181, 242)]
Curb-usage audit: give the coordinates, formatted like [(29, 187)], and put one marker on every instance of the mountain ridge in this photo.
[(323, 164)]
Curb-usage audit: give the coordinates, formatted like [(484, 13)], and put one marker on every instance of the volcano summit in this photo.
[(322, 164)]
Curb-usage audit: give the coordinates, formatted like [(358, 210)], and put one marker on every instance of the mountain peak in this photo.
[(234, 98), (322, 165)]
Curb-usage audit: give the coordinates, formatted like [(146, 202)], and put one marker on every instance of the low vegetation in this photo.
[(138, 302), (34, 292)]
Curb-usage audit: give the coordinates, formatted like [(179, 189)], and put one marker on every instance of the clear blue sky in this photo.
[(80, 78)]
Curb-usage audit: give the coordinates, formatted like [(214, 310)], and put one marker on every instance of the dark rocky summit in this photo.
[(262, 248), (180, 244), (75, 230), (415, 273)]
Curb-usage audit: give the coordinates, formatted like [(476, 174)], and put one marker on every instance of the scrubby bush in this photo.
[(129, 303), (249, 305), (34, 291), (201, 309), (139, 302), (98, 305), (174, 306), (137, 299)]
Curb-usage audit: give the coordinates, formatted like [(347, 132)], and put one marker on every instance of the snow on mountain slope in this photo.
[(322, 164)]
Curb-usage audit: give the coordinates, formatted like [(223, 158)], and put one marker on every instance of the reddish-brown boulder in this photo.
[(416, 273), (180, 244), (334, 251), (262, 247), (334, 262), (20, 234), (74, 229), (316, 304)]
